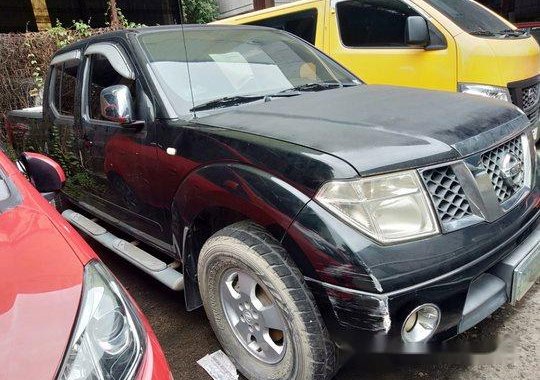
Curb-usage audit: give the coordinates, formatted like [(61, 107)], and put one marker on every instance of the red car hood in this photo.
[(40, 289)]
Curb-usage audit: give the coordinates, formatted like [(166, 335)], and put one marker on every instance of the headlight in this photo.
[(389, 208), (108, 341), (500, 93)]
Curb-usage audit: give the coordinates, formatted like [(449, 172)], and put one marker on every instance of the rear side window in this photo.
[(373, 23), (302, 24), (65, 85), (103, 75)]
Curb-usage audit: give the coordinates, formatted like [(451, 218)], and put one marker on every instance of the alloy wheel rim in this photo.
[(254, 316)]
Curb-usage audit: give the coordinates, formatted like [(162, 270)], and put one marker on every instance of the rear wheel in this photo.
[(260, 307)]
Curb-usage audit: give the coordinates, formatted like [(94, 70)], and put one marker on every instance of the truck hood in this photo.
[(510, 60), (378, 128), (40, 289)]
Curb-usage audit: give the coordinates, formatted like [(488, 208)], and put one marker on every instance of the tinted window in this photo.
[(65, 85), (373, 23), (469, 16), (103, 75), (302, 24)]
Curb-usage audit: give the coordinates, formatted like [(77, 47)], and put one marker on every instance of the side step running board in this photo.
[(156, 268)]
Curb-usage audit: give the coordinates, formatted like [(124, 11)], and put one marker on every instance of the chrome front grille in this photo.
[(482, 186), (447, 194), (493, 163), (526, 95), (530, 96), (534, 116)]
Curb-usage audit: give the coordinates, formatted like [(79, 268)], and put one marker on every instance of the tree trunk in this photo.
[(113, 13), (41, 13)]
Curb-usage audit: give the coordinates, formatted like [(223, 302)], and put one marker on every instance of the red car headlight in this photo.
[(108, 341)]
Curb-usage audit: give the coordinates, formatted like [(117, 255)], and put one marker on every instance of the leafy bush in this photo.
[(200, 11)]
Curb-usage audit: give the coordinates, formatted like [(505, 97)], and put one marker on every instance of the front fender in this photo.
[(216, 195)]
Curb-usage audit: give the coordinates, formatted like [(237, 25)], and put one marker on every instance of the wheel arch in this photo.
[(218, 195)]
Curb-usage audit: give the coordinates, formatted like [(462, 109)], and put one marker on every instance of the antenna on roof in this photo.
[(180, 5)]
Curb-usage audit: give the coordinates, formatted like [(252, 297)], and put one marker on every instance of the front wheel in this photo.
[(260, 307)]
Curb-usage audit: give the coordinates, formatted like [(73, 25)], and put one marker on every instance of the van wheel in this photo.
[(260, 307)]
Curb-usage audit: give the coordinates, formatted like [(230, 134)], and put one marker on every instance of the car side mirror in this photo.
[(44, 173), (417, 31), (116, 104)]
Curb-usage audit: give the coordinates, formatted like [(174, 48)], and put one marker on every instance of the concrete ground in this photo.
[(187, 337)]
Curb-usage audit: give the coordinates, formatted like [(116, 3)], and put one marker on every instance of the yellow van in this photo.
[(452, 45)]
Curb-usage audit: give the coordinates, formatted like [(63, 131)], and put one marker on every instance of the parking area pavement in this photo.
[(186, 336)]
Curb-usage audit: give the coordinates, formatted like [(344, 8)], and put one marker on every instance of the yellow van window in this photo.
[(302, 24), (373, 23), (470, 16)]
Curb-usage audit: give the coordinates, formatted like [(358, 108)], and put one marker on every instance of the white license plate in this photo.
[(526, 274)]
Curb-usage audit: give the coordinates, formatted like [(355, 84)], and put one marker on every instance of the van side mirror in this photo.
[(417, 31), (44, 173), (116, 104)]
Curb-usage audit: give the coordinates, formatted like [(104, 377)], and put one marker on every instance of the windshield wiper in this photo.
[(482, 32), (227, 101), (315, 86), (513, 32)]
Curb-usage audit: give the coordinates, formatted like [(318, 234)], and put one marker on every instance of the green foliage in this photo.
[(82, 29), (62, 36), (200, 11), (61, 148), (120, 17), (125, 22), (37, 75), (7, 148)]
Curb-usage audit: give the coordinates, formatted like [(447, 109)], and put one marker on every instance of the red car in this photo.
[(62, 313)]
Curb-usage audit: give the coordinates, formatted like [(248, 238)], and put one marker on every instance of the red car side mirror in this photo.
[(45, 174)]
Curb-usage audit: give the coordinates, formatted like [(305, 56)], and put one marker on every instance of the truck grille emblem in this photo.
[(511, 169)]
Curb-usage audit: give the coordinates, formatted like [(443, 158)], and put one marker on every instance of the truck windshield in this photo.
[(229, 66), (471, 17)]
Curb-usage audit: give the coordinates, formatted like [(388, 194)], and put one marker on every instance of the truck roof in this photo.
[(122, 33)]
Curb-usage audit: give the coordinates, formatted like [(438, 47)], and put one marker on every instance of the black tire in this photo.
[(248, 247)]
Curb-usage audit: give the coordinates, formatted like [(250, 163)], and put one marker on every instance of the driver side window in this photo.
[(103, 75), (373, 23)]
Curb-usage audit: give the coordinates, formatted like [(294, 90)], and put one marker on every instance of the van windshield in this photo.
[(228, 67), (471, 17)]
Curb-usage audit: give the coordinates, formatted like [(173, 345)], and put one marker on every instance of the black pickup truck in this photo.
[(303, 209)]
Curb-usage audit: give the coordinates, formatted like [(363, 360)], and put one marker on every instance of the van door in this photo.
[(117, 157), (368, 38)]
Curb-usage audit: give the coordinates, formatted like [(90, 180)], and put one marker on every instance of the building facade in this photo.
[(34, 15)]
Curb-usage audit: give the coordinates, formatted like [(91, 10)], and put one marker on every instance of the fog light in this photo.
[(421, 324)]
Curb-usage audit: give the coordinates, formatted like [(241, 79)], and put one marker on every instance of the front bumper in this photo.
[(508, 281), (465, 296)]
